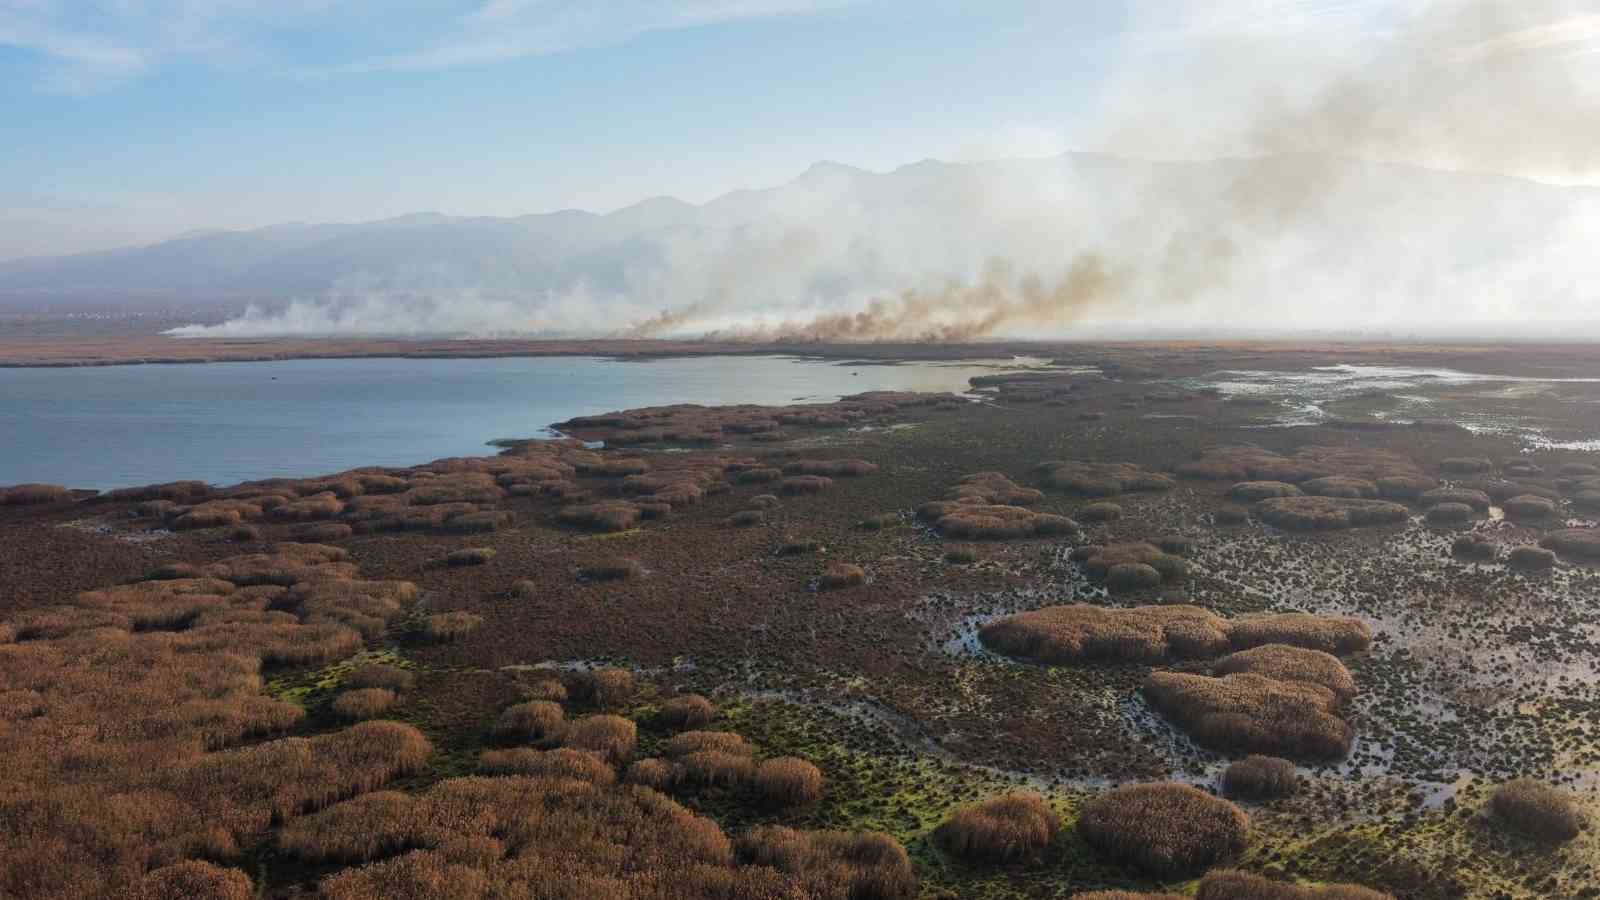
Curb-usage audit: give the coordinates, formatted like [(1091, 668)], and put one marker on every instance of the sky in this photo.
[(127, 121)]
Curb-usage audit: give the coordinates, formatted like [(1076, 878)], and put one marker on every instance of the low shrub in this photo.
[(617, 568), (614, 515), (613, 737), (1259, 777), (1247, 713), (804, 484), (450, 626), (1101, 479), (1126, 577), (1164, 829), (841, 575), (1099, 512), (480, 522), (1474, 547), (380, 675), (193, 879), (961, 556), (1224, 884), (1340, 486), (687, 711), (1529, 508), (1405, 487), (706, 741), (321, 532), (1478, 500), (1098, 562), (787, 781), (1338, 635), (1574, 543), (860, 866), (1537, 810), (558, 763), (993, 489), (530, 721), (1286, 663), (607, 688), (1252, 491), (832, 468), (33, 494), (1013, 827), (363, 703), (1451, 514), (1465, 465), (1075, 633), (652, 773), (469, 556), (970, 522), (1329, 513), (1531, 559)]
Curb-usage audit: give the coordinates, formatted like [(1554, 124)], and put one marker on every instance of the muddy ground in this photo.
[(1477, 673)]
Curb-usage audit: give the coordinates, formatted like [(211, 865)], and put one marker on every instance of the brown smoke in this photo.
[(1482, 85)]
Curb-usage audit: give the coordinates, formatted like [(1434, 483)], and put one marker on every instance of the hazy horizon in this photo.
[(138, 122)]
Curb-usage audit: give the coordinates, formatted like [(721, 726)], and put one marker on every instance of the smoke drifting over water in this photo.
[(1305, 219)]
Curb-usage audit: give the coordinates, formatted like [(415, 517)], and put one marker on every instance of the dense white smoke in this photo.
[(1309, 220)]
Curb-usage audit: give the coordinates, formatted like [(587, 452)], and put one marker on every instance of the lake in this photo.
[(117, 426)]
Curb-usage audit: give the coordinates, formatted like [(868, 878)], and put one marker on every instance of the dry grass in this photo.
[(1099, 562), (654, 773), (1286, 663), (1014, 827), (558, 763), (1537, 810), (322, 532), (33, 494), (1099, 512), (363, 703), (687, 711), (1231, 885), (1259, 777), (317, 506), (1248, 713), (613, 737), (450, 626), (841, 575), (530, 721), (608, 688), (711, 768), (1077, 633), (1164, 829)]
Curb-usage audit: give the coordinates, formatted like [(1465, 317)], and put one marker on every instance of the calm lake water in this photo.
[(118, 426)]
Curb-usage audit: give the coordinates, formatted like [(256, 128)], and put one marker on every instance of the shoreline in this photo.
[(1170, 357)]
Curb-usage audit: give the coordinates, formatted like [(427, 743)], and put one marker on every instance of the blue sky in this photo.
[(131, 119)]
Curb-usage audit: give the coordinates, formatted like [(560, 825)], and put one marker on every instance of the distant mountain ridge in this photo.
[(835, 232)]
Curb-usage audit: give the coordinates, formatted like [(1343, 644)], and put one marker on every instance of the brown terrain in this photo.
[(1078, 631)]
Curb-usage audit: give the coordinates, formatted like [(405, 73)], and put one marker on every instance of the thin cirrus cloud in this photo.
[(86, 46)]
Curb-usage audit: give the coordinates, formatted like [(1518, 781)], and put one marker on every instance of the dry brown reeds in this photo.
[(1329, 513), (1015, 827), (1531, 559), (788, 781), (831, 468), (33, 494), (1259, 777), (380, 675), (968, 521), (530, 721), (1101, 479), (804, 484), (469, 556), (1164, 829), (1285, 663), (1574, 543), (558, 763), (1537, 810), (841, 575), (363, 703), (191, 879), (1338, 635), (615, 515), (1224, 884), (1252, 491), (687, 711), (833, 864), (450, 626), (993, 489), (1077, 633), (1248, 713), (613, 737)]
